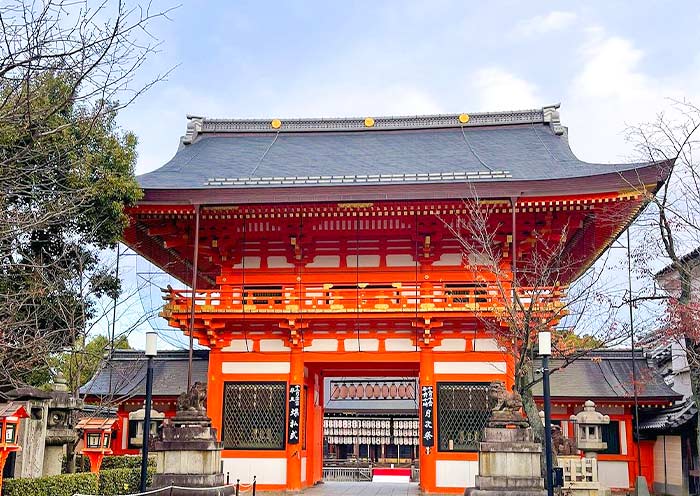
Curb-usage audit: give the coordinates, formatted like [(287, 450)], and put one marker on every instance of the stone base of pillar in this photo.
[(640, 487), (189, 455), (509, 464), (53, 459), (190, 481)]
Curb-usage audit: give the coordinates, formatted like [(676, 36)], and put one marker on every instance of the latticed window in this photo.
[(254, 415), (463, 411)]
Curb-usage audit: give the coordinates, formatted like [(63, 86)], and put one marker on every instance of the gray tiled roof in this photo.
[(602, 374), (128, 373), (691, 258), (607, 374), (671, 418), (508, 146)]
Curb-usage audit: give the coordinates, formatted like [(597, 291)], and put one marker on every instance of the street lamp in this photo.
[(151, 351), (545, 350)]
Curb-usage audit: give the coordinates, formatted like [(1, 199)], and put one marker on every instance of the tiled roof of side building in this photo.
[(488, 147), (692, 257), (607, 374), (125, 374), (675, 417)]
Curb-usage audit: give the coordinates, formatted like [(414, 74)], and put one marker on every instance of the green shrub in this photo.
[(111, 482), (55, 485), (122, 480), (82, 463)]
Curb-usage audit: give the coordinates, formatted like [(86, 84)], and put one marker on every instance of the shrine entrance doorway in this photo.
[(370, 421), (281, 413)]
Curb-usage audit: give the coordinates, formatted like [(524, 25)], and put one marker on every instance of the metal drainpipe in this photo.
[(194, 291)]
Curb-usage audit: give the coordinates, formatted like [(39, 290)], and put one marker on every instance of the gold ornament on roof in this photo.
[(463, 118), (369, 122), (276, 123)]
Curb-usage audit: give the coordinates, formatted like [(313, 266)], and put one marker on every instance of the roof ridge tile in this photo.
[(199, 125)]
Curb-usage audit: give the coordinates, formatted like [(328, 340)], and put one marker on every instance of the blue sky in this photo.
[(609, 63)]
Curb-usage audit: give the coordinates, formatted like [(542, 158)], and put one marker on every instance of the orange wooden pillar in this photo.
[(427, 457), (296, 377), (314, 430), (318, 440), (215, 391)]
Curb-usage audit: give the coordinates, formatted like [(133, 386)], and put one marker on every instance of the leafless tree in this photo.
[(670, 228), (528, 297), (27, 345)]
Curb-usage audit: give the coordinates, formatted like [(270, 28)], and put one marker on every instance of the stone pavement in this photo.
[(363, 489)]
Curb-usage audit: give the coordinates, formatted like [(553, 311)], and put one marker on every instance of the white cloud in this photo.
[(498, 89), (611, 91), (610, 69), (543, 24)]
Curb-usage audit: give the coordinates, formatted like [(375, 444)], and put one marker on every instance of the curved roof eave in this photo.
[(503, 147), (641, 178)]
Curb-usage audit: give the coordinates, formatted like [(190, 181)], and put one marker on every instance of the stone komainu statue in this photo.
[(503, 399), (193, 400), (505, 411), (561, 444)]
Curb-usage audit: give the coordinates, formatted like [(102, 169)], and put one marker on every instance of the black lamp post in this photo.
[(151, 351), (545, 350)]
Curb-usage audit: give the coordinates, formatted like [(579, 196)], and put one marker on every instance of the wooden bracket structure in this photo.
[(295, 331), (427, 325)]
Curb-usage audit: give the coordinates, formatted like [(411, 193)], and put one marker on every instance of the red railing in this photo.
[(362, 298)]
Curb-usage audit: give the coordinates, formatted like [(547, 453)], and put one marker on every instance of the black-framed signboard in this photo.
[(427, 417), (294, 414)]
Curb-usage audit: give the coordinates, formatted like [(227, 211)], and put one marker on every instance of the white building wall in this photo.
[(613, 474), (668, 463), (266, 470), (456, 473)]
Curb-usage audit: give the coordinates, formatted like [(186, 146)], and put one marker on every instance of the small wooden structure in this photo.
[(97, 436), (10, 416)]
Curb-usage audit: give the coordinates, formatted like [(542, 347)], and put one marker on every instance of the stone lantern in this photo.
[(10, 416), (60, 433), (97, 437), (589, 429)]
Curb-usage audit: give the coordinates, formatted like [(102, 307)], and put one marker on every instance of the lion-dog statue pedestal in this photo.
[(509, 459), (187, 451)]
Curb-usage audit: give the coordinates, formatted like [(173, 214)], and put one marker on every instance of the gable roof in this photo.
[(607, 374), (13, 410), (125, 374), (527, 145)]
